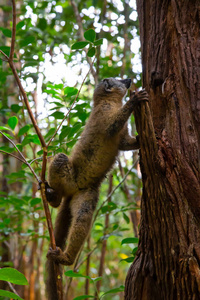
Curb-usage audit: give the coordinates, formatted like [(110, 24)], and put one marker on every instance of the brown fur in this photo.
[(76, 180)]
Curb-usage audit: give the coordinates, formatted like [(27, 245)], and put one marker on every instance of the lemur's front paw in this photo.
[(59, 256), (50, 193), (137, 97)]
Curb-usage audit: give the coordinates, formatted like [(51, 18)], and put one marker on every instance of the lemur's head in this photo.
[(111, 88)]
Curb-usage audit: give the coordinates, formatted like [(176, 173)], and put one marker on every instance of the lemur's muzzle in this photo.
[(126, 82)]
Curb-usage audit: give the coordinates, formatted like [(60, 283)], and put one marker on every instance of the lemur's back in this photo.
[(95, 152)]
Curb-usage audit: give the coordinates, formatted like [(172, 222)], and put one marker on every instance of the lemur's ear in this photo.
[(107, 85)]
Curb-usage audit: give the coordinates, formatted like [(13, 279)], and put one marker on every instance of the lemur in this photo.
[(74, 181)]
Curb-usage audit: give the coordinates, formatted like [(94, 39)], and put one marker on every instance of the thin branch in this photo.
[(112, 192), (39, 158), (20, 153), (84, 259), (13, 145), (17, 157), (70, 106), (12, 48), (12, 288), (25, 98), (7, 58), (104, 242), (76, 267)]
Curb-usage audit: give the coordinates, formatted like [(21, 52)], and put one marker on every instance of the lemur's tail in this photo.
[(63, 221)]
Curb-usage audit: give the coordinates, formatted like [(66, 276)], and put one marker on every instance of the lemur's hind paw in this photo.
[(137, 97), (59, 257)]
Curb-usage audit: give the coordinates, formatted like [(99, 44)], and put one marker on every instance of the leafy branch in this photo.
[(9, 59), (22, 159)]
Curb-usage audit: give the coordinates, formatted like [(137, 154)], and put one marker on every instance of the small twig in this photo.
[(76, 267), (17, 157), (12, 288), (20, 153), (70, 106), (13, 145), (112, 192), (84, 259), (39, 158), (104, 242), (12, 48), (7, 58), (81, 33)]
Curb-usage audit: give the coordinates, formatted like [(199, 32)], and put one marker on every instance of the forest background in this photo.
[(51, 73)]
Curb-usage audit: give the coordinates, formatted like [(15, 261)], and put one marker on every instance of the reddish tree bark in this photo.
[(168, 258)]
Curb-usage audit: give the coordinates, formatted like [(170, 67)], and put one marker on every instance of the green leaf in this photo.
[(58, 115), (19, 146), (79, 45), (58, 86), (50, 132), (42, 24), (91, 52), (83, 297), (70, 91), (15, 108), (12, 122), (116, 290), (35, 201), (96, 279), (4, 128), (131, 240), (10, 295), (90, 35), (24, 129), (26, 41), (76, 127), (135, 250), (98, 42), (31, 138), (13, 276), (7, 149), (20, 25), (6, 221), (5, 49), (126, 218), (8, 135), (7, 32), (71, 273), (65, 131)]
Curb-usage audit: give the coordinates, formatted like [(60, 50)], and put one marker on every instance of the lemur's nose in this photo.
[(126, 82)]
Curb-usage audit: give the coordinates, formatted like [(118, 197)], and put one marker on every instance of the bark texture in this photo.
[(168, 258)]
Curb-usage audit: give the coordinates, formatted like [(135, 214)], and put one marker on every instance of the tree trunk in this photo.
[(168, 258)]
